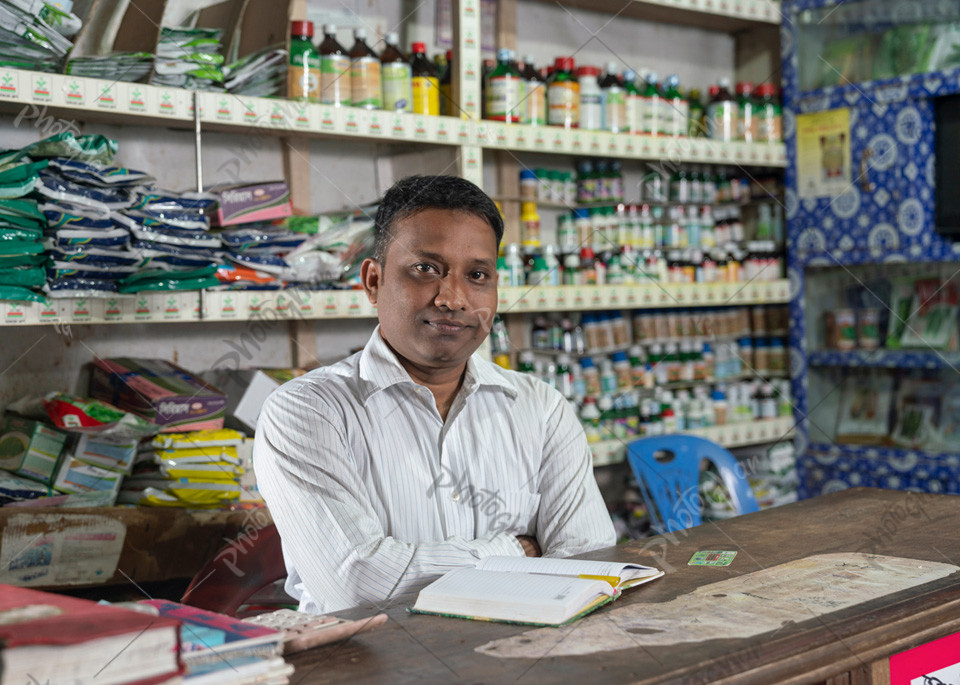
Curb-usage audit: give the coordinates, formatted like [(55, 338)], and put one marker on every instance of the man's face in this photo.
[(437, 293)]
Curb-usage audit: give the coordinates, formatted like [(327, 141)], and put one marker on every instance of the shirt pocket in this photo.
[(514, 512)]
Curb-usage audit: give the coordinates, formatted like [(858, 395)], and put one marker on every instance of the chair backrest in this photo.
[(238, 571), (667, 468)]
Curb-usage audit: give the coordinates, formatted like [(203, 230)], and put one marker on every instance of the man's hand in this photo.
[(530, 546)]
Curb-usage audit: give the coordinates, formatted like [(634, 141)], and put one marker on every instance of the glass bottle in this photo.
[(563, 95), (303, 74), (365, 87), (534, 94), (447, 106), (396, 77), (334, 69), (425, 82), (503, 90), (722, 113)]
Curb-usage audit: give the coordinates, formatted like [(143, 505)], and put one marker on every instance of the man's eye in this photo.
[(424, 268), (479, 275)]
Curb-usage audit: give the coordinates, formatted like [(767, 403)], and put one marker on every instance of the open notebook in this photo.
[(531, 590)]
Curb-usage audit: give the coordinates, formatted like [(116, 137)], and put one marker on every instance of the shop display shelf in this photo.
[(731, 435), (890, 359), (43, 100)]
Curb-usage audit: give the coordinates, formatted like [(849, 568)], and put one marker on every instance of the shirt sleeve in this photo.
[(573, 517), (312, 484)]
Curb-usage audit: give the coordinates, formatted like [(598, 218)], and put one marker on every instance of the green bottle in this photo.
[(303, 74), (695, 122), (651, 107), (633, 100), (676, 109)]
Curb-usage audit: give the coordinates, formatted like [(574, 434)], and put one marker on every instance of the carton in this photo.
[(30, 448), (247, 389), (256, 202), (114, 455), (76, 476), (159, 391)]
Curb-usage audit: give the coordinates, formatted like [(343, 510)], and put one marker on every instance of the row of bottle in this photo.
[(548, 266), (586, 98), (595, 332), (624, 416), (333, 75), (600, 181), (646, 227)]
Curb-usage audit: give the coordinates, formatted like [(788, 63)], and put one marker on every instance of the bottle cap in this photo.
[(391, 38), (419, 48), (588, 71), (301, 28), (528, 175), (605, 403), (652, 78), (563, 64), (620, 356), (330, 29), (610, 68), (586, 363), (744, 88), (629, 75), (504, 55), (360, 33), (449, 56)]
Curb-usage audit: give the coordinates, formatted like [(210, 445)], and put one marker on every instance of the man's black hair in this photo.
[(416, 193)]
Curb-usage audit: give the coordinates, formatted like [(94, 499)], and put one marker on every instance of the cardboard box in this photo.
[(76, 476), (30, 448), (256, 202), (159, 391), (247, 389), (108, 454)]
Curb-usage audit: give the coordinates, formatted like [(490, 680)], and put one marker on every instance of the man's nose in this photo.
[(451, 294)]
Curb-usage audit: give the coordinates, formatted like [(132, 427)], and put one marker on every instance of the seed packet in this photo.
[(20, 247), (25, 276), (60, 218), (112, 272), (865, 403), (79, 287), (97, 256), (67, 237), (222, 437), (24, 234), (172, 236), (95, 148), (99, 174), (19, 294)]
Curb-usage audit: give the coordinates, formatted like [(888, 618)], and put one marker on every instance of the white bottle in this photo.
[(550, 258), (514, 261), (591, 99)]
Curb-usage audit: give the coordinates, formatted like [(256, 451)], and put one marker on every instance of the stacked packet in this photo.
[(119, 66), (197, 470), (189, 58), (34, 35), (21, 229), (260, 74), (257, 251)]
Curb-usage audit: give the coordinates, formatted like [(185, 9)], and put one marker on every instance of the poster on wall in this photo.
[(823, 153), (935, 663)]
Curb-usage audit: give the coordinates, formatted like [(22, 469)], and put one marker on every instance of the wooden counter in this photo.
[(852, 645)]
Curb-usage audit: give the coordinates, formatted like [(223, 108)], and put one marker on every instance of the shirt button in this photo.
[(455, 497)]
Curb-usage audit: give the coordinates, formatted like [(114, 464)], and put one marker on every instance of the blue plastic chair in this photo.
[(667, 469)]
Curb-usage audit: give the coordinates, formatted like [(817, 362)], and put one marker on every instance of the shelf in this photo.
[(39, 98), (889, 359), (731, 435), (641, 296), (257, 305), (719, 15)]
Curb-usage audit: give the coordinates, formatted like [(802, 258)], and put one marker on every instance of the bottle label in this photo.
[(745, 122), (563, 104), (677, 113), (615, 112), (536, 102), (634, 107), (591, 110), (768, 124), (365, 83), (397, 86), (303, 76), (426, 95), (335, 79), (722, 121), (503, 99), (651, 116)]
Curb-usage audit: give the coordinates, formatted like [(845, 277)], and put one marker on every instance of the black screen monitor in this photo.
[(947, 150)]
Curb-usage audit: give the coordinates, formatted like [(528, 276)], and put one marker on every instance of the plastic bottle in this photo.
[(614, 101), (584, 226), (396, 77), (365, 87), (567, 233), (623, 371), (303, 74), (504, 90), (534, 94), (769, 115), (695, 119), (676, 109), (720, 407), (571, 269), (591, 377), (334, 69), (425, 82), (651, 104), (586, 182), (530, 222), (637, 366), (608, 377), (745, 112), (563, 95), (552, 264), (616, 181), (590, 419), (591, 98), (526, 363), (499, 338), (722, 114), (447, 106), (514, 264), (634, 102), (564, 376)]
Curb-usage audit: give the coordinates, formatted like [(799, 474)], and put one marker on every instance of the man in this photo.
[(414, 457)]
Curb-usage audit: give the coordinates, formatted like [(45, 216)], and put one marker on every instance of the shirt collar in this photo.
[(380, 369)]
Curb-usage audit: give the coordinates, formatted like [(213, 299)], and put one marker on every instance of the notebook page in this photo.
[(493, 594), (566, 567)]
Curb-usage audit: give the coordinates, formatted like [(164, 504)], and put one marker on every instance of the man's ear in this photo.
[(371, 275)]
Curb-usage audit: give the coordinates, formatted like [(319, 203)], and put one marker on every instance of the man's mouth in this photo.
[(448, 326)]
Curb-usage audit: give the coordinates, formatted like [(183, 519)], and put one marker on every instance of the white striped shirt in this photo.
[(375, 495)]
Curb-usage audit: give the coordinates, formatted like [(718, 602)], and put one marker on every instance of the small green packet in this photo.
[(712, 558), (10, 261), (26, 276), (20, 247), (12, 233), (17, 293)]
